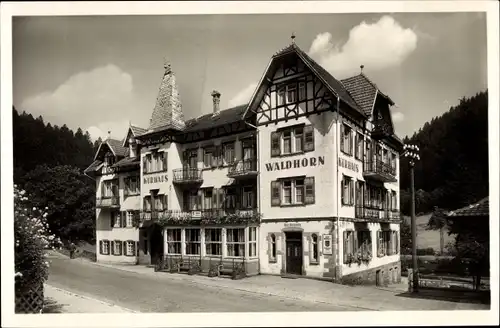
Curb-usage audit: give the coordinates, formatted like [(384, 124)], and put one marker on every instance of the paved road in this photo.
[(147, 294)]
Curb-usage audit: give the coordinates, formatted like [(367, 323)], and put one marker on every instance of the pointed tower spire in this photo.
[(168, 109)]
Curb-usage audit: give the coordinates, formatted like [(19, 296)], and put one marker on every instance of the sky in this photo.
[(101, 73)]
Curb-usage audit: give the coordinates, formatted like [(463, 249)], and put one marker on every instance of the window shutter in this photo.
[(341, 136), (222, 197), (124, 246), (275, 193), (310, 192), (391, 243), (351, 192), (145, 164), (120, 251), (396, 242), (165, 202), (137, 248), (215, 199), (112, 250), (379, 245), (343, 191), (100, 247), (346, 245), (165, 161), (133, 248), (356, 149), (220, 155), (275, 144), (308, 138), (124, 219), (111, 220), (355, 242)]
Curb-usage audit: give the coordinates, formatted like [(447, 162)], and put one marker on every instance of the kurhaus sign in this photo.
[(155, 179), (296, 163), (348, 165)]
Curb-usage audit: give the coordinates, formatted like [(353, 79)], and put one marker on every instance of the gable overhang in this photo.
[(100, 148), (125, 141), (270, 69)]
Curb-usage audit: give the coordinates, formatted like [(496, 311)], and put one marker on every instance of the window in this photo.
[(132, 186), (104, 247), (314, 248), (193, 241), (130, 219), (291, 93), (281, 97), (117, 247), (229, 153), (272, 247), (174, 241), (109, 189), (190, 158), (252, 241), (359, 146), (287, 142), (348, 246), (147, 204), (155, 162), (248, 197), (160, 202), (347, 191), (384, 245), (395, 242), (296, 191), (209, 157), (213, 241), (236, 242), (346, 139), (393, 163), (359, 193), (394, 201), (299, 139), (192, 201), (302, 91), (116, 220), (130, 250), (230, 198), (207, 198), (364, 246)]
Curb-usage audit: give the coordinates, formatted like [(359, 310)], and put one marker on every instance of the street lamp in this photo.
[(411, 152)]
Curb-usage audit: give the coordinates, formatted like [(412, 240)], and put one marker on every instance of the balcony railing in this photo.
[(381, 130), (208, 216), (243, 168), (366, 213), (380, 171), (108, 202), (187, 175), (108, 170)]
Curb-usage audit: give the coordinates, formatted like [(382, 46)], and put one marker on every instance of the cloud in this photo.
[(118, 130), (243, 96), (103, 94), (377, 46), (396, 117)]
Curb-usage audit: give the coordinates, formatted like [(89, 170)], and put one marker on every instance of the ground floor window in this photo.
[(384, 245), (252, 241), (272, 247), (236, 242), (117, 247), (314, 249), (213, 241), (104, 247), (193, 241), (174, 241), (130, 248)]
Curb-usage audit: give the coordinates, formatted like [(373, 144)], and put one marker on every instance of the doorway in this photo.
[(156, 243), (294, 254)]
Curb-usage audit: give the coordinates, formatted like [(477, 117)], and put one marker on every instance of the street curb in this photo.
[(91, 299)]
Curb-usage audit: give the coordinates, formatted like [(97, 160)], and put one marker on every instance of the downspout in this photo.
[(337, 137)]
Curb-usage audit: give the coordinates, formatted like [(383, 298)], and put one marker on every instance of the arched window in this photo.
[(314, 248), (272, 245)]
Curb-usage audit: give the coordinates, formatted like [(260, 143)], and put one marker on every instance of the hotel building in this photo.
[(302, 180)]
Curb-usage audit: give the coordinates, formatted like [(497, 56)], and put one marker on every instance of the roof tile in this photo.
[(481, 208)]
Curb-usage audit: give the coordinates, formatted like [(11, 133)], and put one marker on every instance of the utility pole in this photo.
[(411, 152)]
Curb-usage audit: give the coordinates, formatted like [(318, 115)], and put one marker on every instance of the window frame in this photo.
[(314, 248), (174, 243), (273, 248), (211, 243), (252, 243), (106, 246), (347, 200), (226, 146), (189, 243), (235, 244)]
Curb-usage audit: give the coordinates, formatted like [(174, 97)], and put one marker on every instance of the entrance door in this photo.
[(294, 252), (156, 243)]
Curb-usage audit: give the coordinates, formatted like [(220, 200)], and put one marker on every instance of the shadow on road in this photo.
[(458, 296), (51, 306)]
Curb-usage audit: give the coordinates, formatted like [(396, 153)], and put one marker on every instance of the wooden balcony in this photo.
[(108, 170), (381, 130), (187, 176), (243, 169), (379, 171), (369, 214), (174, 215), (108, 202), (230, 216)]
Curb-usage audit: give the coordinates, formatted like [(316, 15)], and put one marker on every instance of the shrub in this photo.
[(426, 251), (32, 239)]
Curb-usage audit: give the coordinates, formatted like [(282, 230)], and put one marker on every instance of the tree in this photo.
[(405, 238), (70, 197)]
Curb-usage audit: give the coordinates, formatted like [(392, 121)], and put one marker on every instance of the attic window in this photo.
[(109, 159)]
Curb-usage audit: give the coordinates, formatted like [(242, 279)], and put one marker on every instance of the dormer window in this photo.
[(109, 159)]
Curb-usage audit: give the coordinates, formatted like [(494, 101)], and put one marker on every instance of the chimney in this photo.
[(216, 99), (109, 135), (362, 66)]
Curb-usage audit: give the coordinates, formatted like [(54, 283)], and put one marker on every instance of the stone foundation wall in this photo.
[(388, 274)]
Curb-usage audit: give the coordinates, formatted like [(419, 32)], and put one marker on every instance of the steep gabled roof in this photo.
[(93, 167), (335, 86), (127, 161), (137, 131), (116, 147), (363, 91), (481, 208)]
